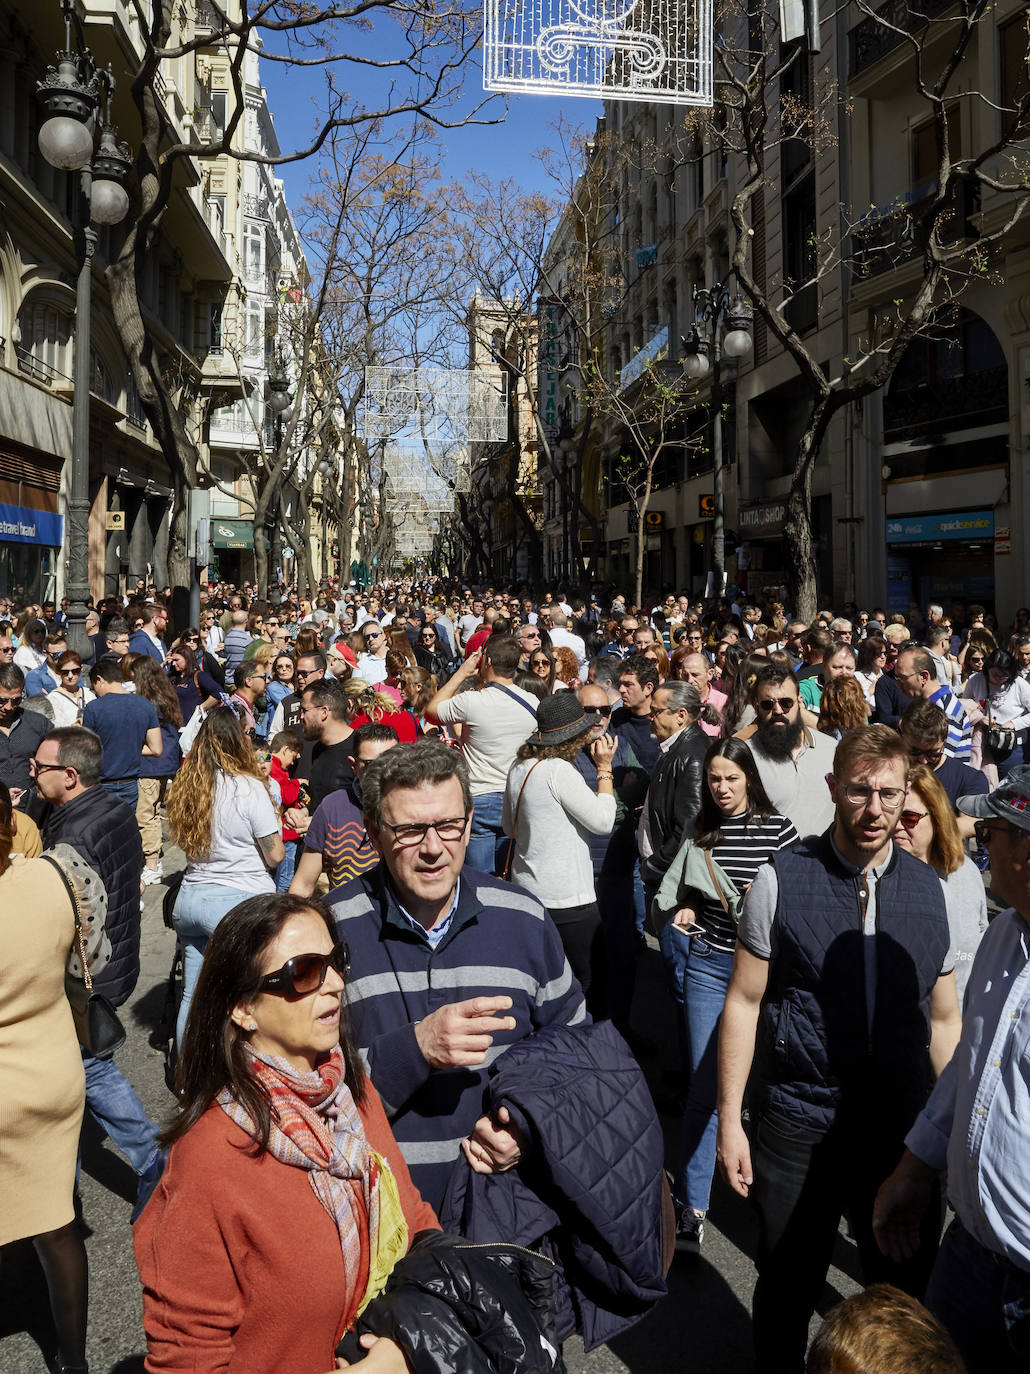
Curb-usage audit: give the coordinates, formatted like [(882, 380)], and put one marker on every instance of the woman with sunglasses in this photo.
[(68, 699), (927, 828), (206, 661), (281, 683), (431, 655), (739, 829), (220, 814), (543, 663), (285, 1202)]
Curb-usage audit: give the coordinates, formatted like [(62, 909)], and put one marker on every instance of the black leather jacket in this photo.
[(674, 799)]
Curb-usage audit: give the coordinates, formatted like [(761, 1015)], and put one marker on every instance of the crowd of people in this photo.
[(429, 832)]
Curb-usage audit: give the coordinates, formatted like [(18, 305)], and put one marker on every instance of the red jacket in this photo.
[(241, 1264), (289, 789)]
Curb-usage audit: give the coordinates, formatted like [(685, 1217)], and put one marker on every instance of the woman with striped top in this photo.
[(739, 827)]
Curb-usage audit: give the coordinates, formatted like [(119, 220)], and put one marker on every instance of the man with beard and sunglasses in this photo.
[(843, 999), (792, 760)]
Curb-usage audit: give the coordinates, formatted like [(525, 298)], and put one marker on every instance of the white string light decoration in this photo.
[(653, 50), (436, 403)]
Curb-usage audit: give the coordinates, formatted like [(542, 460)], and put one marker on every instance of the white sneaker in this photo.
[(151, 875)]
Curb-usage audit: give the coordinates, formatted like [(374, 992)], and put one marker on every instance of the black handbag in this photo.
[(97, 1025), (1001, 740)]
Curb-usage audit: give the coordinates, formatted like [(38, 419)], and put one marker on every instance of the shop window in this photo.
[(1013, 38)]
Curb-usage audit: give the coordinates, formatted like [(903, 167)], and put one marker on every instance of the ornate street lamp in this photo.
[(280, 399), (73, 94), (722, 325)]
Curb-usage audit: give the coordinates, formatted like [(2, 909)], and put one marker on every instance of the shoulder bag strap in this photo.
[(515, 821), (715, 881), (79, 937), (524, 704)]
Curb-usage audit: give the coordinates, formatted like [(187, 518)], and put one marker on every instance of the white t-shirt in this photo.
[(496, 723), (565, 639), (557, 813), (371, 669), (243, 811)]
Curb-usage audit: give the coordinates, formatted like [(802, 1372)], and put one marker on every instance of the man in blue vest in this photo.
[(843, 996)]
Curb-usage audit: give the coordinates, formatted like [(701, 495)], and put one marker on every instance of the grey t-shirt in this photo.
[(797, 786)]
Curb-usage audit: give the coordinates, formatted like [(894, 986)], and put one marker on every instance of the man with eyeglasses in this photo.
[(102, 830), (372, 662), (976, 1125), (916, 675), (792, 760), (453, 967), (841, 1009)]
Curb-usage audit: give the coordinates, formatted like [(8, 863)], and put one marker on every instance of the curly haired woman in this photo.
[(221, 815)]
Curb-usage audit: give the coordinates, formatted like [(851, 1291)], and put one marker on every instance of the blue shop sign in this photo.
[(932, 529), (22, 525)]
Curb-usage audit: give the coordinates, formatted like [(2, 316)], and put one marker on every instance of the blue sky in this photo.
[(502, 150)]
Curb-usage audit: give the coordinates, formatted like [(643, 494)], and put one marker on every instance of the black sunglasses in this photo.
[(305, 973), (597, 710)]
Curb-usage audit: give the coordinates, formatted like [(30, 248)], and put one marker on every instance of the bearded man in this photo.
[(792, 760)]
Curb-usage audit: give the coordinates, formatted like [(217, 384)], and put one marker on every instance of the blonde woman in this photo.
[(220, 814), (366, 704)]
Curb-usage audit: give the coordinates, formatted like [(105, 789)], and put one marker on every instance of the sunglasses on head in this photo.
[(305, 973)]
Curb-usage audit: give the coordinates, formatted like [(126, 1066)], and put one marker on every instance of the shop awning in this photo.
[(232, 534)]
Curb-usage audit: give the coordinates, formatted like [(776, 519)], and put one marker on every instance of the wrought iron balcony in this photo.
[(875, 37), (893, 234), (974, 398)]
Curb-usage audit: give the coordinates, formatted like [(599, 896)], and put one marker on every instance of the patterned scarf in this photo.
[(316, 1126)]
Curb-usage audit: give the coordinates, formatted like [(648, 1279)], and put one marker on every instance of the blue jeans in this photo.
[(984, 1301), (127, 790), (705, 979), (198, 909), (284, 873), (488, 843), (639, 903), (675, 948), (113, 1101)]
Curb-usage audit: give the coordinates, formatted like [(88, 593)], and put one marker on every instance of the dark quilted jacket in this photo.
[(818, 1062), (588, 1192), (102, 829)]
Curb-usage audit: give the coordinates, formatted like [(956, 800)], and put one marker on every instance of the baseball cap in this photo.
[(1009, 802)]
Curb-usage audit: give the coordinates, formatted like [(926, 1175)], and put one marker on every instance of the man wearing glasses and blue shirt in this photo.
[(976, 1125), (843, 998), (372, 663), (450, 967)]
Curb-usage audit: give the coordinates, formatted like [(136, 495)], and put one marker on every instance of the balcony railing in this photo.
[(206, 17), (893, 235), (37, 368), (256, 206), (875, 37), (974, 398), (207, 128)]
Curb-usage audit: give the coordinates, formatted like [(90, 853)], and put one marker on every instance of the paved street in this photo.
[(703, 1323)]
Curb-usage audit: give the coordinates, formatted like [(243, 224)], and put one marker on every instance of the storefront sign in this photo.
[(764, 519), (918, 529), (232, 534), (1002, 540), (22, 525)]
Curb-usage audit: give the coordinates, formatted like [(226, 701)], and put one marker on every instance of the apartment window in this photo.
[(1015, 78), (925, 161), (800, 254), (45, 351), (254, 329), (254, 248)]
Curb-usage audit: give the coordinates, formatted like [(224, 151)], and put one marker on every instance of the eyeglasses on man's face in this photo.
[(782, 704), (985, 831), (859, 794), (409, 833), (35, 768), (597, 710)]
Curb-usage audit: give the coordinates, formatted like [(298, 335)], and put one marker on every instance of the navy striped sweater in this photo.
[(500, 941)]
